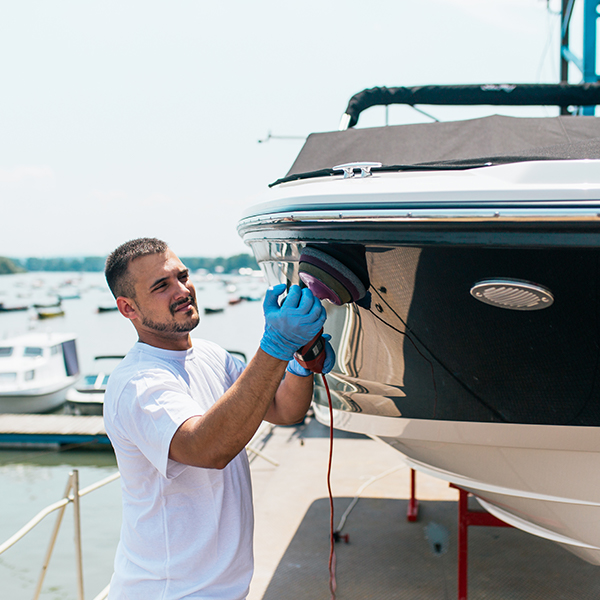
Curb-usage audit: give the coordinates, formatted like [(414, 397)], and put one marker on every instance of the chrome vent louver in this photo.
[(512, 294)]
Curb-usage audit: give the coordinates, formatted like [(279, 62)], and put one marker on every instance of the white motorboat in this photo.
[(87, 396), (36, 370), (461, 262)]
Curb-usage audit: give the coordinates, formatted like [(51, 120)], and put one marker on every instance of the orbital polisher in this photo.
[(334, 272)]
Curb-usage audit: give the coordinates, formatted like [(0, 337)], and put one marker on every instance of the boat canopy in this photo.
[(504, 94), (451, 145)]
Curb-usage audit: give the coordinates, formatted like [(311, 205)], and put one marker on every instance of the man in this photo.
[(179, 417)]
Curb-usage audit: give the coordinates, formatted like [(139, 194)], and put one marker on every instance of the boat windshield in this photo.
[(6, 351), (89, 380)]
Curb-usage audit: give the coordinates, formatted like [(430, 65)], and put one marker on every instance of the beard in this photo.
[(173, 326)]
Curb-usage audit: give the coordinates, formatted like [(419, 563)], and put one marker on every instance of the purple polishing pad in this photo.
[(319, 289), (336, 273)]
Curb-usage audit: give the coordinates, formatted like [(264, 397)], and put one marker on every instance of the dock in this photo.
[(387, 557), (52, 429)]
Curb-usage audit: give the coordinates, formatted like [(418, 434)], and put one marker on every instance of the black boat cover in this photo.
[(451, 145)]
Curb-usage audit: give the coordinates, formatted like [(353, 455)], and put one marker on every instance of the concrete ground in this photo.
[(386, 557)]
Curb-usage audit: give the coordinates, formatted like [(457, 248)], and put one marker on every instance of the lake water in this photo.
[(31, 479)]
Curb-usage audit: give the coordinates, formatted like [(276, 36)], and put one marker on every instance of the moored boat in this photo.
[(50, 313), (87, 396), (36, 370), (461, 262)]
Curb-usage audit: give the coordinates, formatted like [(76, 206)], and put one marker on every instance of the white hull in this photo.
[(81, 403), (34, 401), (540, 478)]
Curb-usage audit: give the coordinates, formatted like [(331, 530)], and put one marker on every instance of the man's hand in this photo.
[(293, 324)]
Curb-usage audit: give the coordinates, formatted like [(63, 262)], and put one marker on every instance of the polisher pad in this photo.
[(331, 279)]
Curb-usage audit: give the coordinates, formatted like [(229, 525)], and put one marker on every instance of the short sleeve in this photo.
[(152, 407), (233, 367)]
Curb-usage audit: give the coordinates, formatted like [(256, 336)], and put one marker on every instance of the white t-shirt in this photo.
[(187, 531)]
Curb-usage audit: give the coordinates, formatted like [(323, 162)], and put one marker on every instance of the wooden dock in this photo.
[(52, 429)]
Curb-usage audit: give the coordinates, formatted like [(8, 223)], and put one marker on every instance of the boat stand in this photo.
[(466, 518), (412, 512), (469, 518)]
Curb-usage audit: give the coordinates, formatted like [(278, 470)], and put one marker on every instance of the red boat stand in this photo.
[(468, 518), (413, 504)]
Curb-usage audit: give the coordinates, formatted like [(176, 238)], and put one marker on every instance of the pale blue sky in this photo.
[(127, 118)]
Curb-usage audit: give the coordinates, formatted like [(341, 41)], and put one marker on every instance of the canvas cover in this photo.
[(458, 144)]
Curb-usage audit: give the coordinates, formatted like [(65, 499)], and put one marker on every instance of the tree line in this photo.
[(229, 264)]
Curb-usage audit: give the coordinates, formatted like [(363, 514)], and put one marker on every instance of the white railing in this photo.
[(72, 495)]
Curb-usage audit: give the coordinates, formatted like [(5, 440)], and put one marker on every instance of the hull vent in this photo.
[(512, 294)]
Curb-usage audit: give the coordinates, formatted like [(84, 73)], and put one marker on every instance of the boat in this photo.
[(212, 310), (13, 307), (73, 296), (50, 313), (107, 308), (460, 264), (87, 396), (36, 370), (50, 304)]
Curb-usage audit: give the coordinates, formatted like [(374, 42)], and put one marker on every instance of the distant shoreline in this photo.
[(96, 264)]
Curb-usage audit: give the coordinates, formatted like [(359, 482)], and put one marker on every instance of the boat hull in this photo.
[(82, 403), (540, 478), (503, 403), (33, 401)]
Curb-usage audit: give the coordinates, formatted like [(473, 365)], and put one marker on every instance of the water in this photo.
[(32, 479)]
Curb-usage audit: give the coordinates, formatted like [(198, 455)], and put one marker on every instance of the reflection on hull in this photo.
[(504, 403), (426, 349)]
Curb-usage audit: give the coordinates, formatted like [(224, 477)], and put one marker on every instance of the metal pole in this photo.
[(77, 516), (53, 537), (590, 17), (565, 19)]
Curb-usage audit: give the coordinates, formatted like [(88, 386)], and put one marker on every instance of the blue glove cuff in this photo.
[(276, 345), (296, 368)]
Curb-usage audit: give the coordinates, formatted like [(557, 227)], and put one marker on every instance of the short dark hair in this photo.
[(116, 270)]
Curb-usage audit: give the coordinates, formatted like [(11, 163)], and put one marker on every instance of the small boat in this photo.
[(87, 397), (36, 369), (50, 314), (208, 310), (105, 309), (52, 304), (13, 307), (234, 301), (74, 296)]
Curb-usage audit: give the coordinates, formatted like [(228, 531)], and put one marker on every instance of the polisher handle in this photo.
[(312, 355)]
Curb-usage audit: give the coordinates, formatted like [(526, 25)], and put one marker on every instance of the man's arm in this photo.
[(215, 438), (292, 400)]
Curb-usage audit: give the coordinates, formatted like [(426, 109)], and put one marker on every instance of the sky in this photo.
[(130, 118)]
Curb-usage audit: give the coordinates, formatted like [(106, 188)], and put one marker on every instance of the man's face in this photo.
[(165, 296)]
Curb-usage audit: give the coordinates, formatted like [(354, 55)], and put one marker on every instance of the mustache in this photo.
[(181, 302)]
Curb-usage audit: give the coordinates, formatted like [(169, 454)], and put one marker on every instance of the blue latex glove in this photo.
[(297, 369), (293, 324)]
